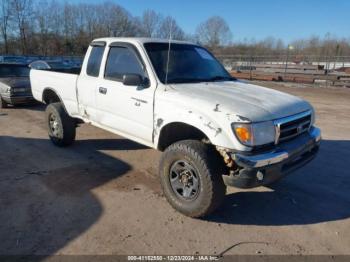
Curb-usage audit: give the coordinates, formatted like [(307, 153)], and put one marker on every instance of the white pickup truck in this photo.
[(176, 97)]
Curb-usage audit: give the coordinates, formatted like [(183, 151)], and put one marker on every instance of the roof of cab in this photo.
[(140, 40)]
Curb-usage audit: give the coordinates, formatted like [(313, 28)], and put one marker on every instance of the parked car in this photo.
[(12, 59), (74, 62), (14, 85), (59, 66), (213, 130)]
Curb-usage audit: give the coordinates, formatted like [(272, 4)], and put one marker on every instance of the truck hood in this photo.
[(256, 103)]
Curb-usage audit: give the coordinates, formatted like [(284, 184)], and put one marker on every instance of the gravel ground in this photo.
[(102, 195)]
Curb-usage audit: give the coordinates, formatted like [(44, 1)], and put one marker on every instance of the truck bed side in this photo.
[(63, 84)]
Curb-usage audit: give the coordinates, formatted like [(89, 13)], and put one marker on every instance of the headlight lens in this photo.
[(255, 134)]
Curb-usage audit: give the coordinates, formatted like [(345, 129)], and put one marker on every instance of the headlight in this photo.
[(8, 89), (255, 134)]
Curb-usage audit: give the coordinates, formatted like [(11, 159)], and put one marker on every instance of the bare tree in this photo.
[(89, 19), (42, 15), (5, 14), (150, 23), (169, 27), (55, 45), (214, 32), (22, 11), (117, 21), (69, 27), (279, 45), (56, 27)]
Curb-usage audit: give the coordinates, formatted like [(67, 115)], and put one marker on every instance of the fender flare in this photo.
[(59, 97)]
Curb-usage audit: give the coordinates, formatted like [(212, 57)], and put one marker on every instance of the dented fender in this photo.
[(217, 127)]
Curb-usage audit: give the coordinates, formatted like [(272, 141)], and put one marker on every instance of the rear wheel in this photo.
[(3, 104), (190, 173), (61, 126)]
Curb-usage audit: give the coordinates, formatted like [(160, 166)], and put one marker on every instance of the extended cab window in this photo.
[(94, 62), (122, 61)]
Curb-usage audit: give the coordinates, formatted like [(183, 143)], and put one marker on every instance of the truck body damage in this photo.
[(204, 120)]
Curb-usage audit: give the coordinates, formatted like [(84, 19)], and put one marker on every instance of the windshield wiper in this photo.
[(198, 80), (221, 78), (184, 80)]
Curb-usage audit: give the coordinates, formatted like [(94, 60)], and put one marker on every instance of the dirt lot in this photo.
[(102, 196)]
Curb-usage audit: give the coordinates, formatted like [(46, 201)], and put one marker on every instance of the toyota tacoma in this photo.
[(214, 130)]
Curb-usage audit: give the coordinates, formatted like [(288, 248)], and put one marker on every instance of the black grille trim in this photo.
[(293, 126)]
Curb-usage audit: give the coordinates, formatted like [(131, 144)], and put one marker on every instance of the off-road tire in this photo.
[(64, 135), (3, 104), (206, 160)]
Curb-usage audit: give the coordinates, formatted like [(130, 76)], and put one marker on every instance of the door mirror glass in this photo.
[(135, 80)]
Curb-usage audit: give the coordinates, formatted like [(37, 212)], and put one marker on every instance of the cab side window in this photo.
[(122, 61), (94, 62)]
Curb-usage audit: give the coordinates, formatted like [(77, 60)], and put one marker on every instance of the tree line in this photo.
[(326, 47), (50, 27)]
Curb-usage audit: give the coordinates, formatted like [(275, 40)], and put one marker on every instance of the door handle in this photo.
[(102, 90)]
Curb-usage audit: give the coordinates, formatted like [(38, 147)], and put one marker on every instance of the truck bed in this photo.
[(64, 84)]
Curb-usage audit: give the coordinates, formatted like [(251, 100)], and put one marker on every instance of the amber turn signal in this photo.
[(243, 133)]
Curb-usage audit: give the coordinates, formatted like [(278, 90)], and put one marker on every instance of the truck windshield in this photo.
[(187, 63), (14, 71)]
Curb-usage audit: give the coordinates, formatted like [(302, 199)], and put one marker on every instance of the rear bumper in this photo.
[(18, 99), (263, 169)]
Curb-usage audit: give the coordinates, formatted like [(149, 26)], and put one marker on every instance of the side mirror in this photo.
[(135, 80)]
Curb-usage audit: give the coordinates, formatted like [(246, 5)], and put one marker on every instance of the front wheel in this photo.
[(191, 176), (60, 125)]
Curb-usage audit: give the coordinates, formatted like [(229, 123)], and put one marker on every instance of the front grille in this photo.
[(290, 127)]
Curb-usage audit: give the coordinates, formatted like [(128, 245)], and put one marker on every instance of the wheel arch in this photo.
[(176, 131), (50, 96)]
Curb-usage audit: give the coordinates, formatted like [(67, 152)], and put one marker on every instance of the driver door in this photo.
[(125, 109)]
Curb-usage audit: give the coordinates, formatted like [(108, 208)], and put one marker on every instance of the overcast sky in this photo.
[(254, 19)]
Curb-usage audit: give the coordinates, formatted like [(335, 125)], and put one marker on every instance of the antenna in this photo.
[(167, 63)]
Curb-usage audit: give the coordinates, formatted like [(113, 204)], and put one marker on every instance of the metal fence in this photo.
[(30, 58), (328, 62)]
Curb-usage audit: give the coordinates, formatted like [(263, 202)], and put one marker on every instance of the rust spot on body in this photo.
[(159, 122), (217, 130), (216, 109), (244, 119)]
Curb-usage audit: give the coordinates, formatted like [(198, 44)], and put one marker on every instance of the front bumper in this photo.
[(265, 168)]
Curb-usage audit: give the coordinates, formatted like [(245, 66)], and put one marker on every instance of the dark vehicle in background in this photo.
[(13, 59), (74, 62), (58, 66), (14, 84)]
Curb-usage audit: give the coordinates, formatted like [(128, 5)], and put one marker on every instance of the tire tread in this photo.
[(68, 125), (209, 161)]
